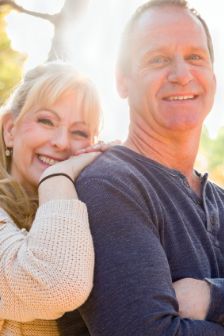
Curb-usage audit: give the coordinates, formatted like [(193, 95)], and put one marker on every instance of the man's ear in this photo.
[(8, 126), (122, 84), (215, 80)]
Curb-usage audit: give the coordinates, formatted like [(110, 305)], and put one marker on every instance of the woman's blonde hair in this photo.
[(42, 85)]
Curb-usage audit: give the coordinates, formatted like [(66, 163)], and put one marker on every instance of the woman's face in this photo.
[(44, 136)]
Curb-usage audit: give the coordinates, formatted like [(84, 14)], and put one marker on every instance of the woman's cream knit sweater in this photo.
[(46, 271)]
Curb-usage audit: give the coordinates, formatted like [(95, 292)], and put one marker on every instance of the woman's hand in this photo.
[(72, 166), (82, 158), (99, 147), (60, 187)]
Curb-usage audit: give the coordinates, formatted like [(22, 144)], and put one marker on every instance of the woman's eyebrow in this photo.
[(47, 109)]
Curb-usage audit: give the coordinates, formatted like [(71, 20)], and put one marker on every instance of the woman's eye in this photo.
[(45, 121), (79, 133)]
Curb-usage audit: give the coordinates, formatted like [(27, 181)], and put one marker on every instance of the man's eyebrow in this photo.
[(155, 50), (200, 49)]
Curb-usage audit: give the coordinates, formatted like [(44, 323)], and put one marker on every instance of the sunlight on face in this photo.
[(95, 53)]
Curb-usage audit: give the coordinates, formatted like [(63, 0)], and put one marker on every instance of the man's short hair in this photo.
[(124, 52)]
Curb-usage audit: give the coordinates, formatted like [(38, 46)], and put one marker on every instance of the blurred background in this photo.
[(87, 34)]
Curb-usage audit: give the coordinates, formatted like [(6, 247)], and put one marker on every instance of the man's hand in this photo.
[(193, 297)]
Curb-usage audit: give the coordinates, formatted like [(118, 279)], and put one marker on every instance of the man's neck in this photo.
[(178, 152)]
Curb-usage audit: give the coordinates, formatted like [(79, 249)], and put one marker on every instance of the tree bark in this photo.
[(71, 11), (61, 21)]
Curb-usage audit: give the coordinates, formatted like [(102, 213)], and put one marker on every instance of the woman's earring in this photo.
[(8, 152)]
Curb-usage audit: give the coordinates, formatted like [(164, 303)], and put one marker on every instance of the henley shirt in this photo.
[(149, 230)]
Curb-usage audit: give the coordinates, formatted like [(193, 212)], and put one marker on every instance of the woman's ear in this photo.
[(8, 126)]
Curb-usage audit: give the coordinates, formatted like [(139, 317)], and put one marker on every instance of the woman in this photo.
[(46, 252)]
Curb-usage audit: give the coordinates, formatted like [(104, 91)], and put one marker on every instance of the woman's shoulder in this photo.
[(5, 218)]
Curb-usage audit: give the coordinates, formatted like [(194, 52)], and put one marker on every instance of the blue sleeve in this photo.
[(133, 292), (216, 308)]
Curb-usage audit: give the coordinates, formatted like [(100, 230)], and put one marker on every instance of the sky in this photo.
[(95, 53)]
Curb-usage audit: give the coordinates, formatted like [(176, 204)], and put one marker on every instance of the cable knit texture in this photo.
[(46, 271)]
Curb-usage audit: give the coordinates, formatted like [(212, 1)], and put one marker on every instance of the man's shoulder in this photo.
[(113, 171), (216, 189), (114, 162), (122, 169)]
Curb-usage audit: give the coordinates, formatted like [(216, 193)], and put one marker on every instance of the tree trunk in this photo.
[(64, 22)]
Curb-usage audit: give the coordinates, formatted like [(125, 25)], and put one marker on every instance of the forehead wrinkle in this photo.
[(149, 29)]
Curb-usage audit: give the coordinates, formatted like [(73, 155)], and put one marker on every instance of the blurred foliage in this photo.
[(11, 62), (211, 156)]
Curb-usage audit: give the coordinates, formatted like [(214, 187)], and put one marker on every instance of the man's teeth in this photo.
[(47, 160), (180, 98)]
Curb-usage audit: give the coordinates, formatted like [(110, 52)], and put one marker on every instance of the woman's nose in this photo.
[(61, 139)]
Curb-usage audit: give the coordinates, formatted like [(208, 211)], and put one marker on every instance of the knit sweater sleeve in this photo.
[(48, 270), (133, 293)]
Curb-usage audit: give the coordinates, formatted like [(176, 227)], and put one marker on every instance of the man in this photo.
[(154, 219)]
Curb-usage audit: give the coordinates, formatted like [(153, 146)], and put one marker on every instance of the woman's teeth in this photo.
[(47, 160)]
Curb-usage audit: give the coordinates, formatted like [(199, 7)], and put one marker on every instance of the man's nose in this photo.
[(61, 139), (180, 72)]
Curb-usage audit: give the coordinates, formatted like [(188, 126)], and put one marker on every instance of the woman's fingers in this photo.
[(99, 147)]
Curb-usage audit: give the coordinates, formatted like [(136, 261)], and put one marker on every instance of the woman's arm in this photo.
[(48, 270)]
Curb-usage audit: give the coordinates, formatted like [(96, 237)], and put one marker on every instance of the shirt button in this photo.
[(213, 220)]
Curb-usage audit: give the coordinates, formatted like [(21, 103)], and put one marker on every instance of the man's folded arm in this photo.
[(133, 292)]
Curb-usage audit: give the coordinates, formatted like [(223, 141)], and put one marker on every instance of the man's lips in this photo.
[(180, 97)]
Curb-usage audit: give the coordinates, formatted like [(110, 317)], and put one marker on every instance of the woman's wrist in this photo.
[(56, 186), (46, 177)]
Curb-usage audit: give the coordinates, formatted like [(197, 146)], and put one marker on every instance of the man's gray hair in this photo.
[(124, 52)]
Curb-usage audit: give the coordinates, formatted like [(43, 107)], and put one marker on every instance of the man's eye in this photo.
[(159, 60), (195, 57), (45, 121)]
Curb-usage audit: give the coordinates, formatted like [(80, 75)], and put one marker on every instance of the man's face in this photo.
[(170, 83)]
